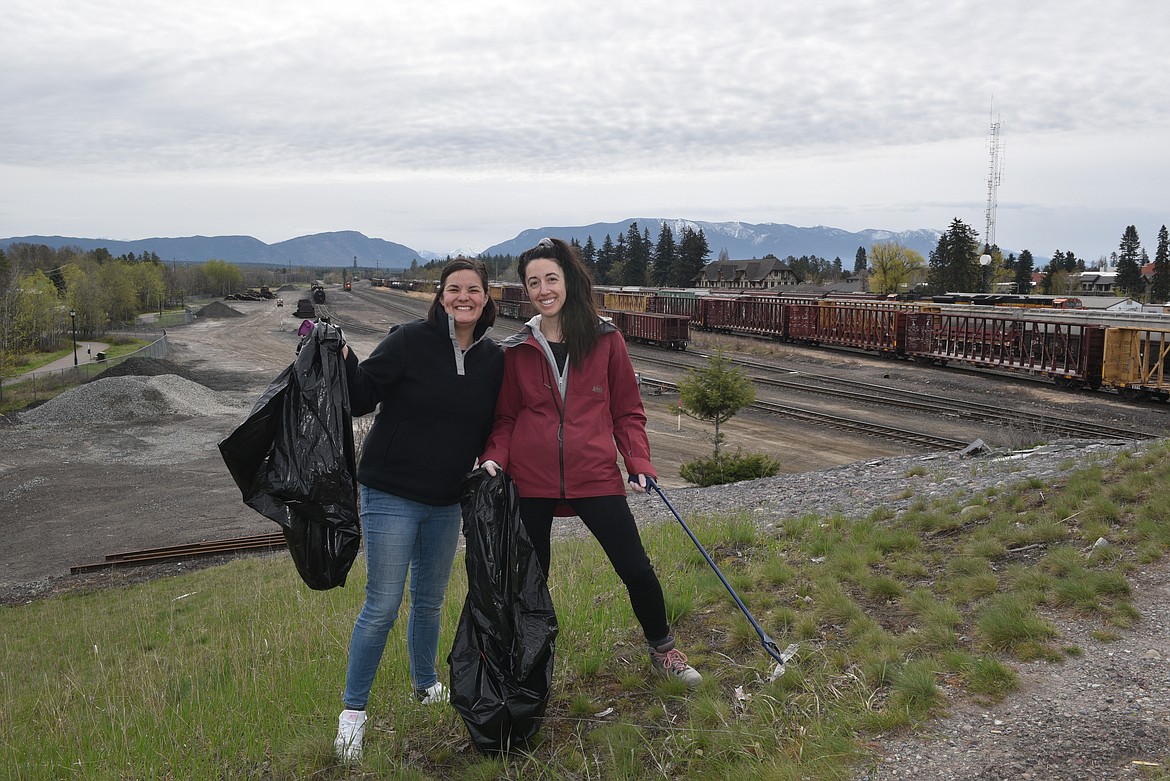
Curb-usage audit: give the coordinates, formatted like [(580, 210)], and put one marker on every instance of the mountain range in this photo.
[(741, 240)]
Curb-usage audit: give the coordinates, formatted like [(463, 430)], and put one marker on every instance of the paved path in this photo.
[(83, 357)]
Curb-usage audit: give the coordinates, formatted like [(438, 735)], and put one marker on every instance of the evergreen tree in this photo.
[(1129, 273), (1160, 282), (716, 392), (1023, 272), (589, 257), (637, 265), (617, 268), (605, 259), (692, 257), (665, 257), (860, 262), (954, 262)]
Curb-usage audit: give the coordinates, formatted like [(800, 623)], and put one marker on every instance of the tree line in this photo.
[(40, 286), (635, 259), (960, 263)]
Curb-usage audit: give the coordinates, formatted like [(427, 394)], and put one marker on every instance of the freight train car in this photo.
[(626, 301), (509, 298), (670, 332), (1070, 354), (1137, 362), (874, 329)]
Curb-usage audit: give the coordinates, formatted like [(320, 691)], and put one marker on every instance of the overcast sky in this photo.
[(452, 124)]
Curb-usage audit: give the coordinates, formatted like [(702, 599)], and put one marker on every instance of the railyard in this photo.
[(153, 478)]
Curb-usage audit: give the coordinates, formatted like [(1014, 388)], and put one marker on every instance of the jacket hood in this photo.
[(604, 326)]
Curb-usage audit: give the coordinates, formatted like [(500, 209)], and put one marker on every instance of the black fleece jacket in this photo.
[(437, 404)]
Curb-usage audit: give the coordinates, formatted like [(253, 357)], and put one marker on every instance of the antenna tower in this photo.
[(994, 175)]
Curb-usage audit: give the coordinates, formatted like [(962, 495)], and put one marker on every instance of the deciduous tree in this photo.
[(894, 267)]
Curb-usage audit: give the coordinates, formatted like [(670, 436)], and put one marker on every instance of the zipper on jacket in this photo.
[(560, 405)]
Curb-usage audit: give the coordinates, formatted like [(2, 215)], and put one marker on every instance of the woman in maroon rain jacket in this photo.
[(569, 394)]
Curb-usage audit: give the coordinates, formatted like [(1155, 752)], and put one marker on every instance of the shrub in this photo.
[(726, 468)]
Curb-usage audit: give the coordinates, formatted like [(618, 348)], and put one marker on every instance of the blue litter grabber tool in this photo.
[(781, 657)]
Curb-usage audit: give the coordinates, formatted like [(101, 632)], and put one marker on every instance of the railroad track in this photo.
[(844, 423), (857, 390), (138, 558)]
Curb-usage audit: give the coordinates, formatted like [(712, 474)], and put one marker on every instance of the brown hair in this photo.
[(579, 315), (438, 316)]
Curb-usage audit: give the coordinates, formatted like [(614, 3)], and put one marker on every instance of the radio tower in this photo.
[(994, 175)]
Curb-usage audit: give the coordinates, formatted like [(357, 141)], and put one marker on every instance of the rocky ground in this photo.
[(130, 462)]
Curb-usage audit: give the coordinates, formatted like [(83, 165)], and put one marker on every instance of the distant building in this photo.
[(1096, 283), (757, 274)]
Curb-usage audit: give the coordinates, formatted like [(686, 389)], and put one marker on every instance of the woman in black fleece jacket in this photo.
[(434, 383)]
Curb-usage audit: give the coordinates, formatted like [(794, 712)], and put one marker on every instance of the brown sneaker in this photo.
[(669, 662)]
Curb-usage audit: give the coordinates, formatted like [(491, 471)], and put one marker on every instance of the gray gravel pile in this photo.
[(218, 309), (132, 398)]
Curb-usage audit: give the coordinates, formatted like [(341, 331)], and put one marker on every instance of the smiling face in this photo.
[(545, 283), (464, 297)]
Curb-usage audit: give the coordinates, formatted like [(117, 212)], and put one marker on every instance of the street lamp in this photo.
[(73, 317), (985, 265)]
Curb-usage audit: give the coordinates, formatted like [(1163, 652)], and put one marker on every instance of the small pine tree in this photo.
[(715, 393)]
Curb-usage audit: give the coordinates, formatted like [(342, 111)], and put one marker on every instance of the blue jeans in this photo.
[(401, 535)]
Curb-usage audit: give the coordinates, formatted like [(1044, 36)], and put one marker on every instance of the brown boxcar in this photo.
[(671, 332)]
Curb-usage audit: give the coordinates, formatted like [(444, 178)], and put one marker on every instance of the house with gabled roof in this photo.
[(757, 274)]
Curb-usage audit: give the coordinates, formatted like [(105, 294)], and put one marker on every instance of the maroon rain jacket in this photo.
[(555, 448)]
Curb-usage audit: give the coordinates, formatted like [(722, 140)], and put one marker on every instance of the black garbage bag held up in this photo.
[(294, 460), (502, 657)]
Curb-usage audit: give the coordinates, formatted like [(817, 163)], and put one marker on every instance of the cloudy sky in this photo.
[(455, 124)]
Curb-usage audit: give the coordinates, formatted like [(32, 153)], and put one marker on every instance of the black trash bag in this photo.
[(294, 460), (502, 658)]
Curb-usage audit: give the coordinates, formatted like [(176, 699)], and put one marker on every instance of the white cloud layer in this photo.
[(454, 124)]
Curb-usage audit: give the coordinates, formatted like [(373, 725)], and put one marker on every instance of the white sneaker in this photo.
[(351, 727), (435, 694)]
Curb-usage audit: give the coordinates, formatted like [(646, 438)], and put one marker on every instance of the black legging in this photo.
[(611, 522)]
